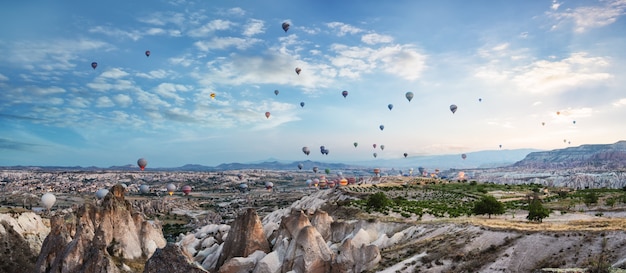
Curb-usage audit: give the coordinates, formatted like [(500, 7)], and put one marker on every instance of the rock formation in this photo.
[(597, 156), (171, 259), (99, 238), (245, 237)]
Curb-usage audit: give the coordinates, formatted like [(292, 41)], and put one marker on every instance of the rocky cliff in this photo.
[(106, 237), (596, 156), (21, 236)]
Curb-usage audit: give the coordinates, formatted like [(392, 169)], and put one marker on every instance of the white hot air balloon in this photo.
[(144, 188), (48, 200), (101, 193)]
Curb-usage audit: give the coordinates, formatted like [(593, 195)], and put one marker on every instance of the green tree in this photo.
[(536, 211), (590, 198), (488, 205), (610, 202), (378, 201)]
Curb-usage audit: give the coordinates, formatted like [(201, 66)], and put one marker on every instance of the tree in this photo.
[(536, 211), (591, 198), (488, 205), (378, 201)]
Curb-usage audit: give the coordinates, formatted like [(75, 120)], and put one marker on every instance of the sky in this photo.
[(523, 74)]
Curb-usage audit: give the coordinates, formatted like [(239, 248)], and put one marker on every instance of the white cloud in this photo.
[(164, 18), (400, 60), (555, 76), (226, 42), (123, 100), (235, 11), (555, 5), (587, 17), (114, 32), (170, 90), (114, 73), (342, 29), (374, 38), (52, 55), (154, 74), (211, 27), (103, 102), (79, 102), (620, 102), (3, 78), (548, 76), (253, 27)]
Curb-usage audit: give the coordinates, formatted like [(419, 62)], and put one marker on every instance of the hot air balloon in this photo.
[(269, 185), (355, 144), (409, 96), (543, 124), (479, 99), (186, 189), (464, 156), (171, 188), (421, 170), (101, 193), (574, 122), (375, 155), (302, 104), (267, 115), (286, 26), (316, 182), (327, 171), (344, 93), (558, 113), (240, 176), (243, 187), (306, 150), (308, 182), (142, 163), (382, 147), (276, 92), (315, 169), (390, 106), (300, 166), (340, 174), (144, 188), (382, 127), (298, 70), (500, 146), (374, 145), (94, 65), (147, 53), (405, 155), (343, 182), (376, 171), (212, 95), (453, 108), (48, 200)]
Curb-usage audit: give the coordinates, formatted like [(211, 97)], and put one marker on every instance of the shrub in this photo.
[(488, 205)]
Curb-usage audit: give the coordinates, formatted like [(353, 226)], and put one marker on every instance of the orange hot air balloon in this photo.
[(267, 114), (558, 113), (212, 95), (343, 182)]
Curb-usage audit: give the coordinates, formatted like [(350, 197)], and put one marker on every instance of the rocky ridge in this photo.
[(106, 237)]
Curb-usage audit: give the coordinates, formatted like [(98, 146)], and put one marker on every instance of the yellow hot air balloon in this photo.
[(213, 95)]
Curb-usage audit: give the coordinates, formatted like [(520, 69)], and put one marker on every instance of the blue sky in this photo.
[(509, 66)]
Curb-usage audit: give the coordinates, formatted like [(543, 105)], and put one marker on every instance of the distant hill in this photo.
[(597, 156)]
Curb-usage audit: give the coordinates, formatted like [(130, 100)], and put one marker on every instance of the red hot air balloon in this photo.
[(344, 93), (142, 163), (267, 114), (94, 65), (147, 53), (186, 189)]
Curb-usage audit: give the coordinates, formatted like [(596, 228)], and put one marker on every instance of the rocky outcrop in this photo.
[(15, 252), (245, 237), (597, 156), (99, 238), (171, 259), (29, 226)]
